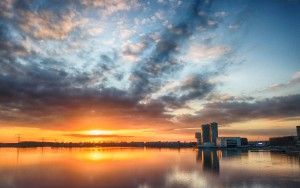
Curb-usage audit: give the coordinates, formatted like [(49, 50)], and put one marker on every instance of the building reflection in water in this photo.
[(227, 153), (209, 160)]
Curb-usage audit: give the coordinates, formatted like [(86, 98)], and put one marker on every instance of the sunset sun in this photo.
[(98, 132)]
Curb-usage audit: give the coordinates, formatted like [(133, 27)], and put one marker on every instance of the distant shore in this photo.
[(292, 150), (158, 144)]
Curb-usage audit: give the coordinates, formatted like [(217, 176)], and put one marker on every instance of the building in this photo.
[(198, 137), (298, 132), (213, 132), (208, 136), (229, 142), (258, 143), (205, 134), (286, 140), (244, 141), (298, 135), (283, 141)]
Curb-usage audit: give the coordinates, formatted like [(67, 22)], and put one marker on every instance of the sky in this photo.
[(130, 70)]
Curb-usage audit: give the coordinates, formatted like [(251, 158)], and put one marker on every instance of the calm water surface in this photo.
[(145, 168)]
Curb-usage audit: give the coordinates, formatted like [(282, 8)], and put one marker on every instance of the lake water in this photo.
[(145, 168)]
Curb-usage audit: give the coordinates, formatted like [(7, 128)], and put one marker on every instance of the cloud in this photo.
[(200, 53), (259, 132), (161, 60), (112, 6), (132, 51), (238, 111), (95, 31), (67, 59), (159, 15), (10, 49), (193, 87), (126, 33), (37, 89), (224, 97), (221, 14), (294, 81), (48, 25), (34, 94), (6, 7), (40, 88)]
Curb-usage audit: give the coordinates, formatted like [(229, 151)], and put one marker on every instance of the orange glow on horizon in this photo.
[(96, 130)]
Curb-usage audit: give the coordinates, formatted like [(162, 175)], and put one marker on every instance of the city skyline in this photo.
[(129, 70)]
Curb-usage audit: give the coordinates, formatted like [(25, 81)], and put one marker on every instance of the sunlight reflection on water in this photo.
[(145, 168)]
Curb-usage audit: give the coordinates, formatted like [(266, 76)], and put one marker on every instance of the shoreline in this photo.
[(294, 150)]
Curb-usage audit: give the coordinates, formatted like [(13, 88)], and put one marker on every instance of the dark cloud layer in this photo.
[(260, 132), (147, 76), (43, 89), (236, 111), (32, 93), (37, 88)]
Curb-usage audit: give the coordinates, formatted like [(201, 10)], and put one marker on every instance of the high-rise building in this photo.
[(208, 136), (213, 132), (205, 133), (298, 132), (198, 137)]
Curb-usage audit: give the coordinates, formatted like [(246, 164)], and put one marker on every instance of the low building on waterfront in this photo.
[(298, 135), (244, 141), (258, 144), (284, 141), (229, 142)]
